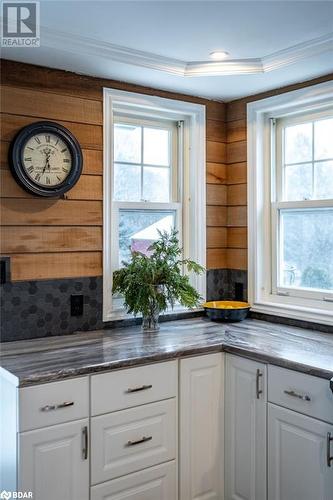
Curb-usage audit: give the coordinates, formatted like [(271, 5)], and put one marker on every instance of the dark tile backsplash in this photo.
[(31, 309), (226, 284)]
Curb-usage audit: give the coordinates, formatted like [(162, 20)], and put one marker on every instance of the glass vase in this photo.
[(150, 322)]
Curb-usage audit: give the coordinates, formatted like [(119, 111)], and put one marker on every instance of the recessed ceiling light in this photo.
[(218, 55)]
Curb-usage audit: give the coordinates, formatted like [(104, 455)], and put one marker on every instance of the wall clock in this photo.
[(45, 159)]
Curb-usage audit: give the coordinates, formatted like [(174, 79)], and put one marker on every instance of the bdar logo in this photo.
[(5, 494)]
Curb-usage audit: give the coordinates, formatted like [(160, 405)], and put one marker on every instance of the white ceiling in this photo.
[(158, 43)]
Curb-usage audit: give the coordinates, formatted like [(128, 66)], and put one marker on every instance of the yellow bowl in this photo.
[(226, 304), (226, 310)]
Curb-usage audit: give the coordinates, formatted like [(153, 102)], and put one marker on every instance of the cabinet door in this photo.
[(245, 429), (155, 483), (201, 427), (298, 456), (54, 463)]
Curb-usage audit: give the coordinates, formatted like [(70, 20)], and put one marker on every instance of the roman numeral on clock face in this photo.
[(28, 159), (30, 169), (47, 138), (37, 140)]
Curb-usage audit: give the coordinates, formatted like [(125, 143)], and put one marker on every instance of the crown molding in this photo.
[(84, 46), (81, 45), (298, 52)]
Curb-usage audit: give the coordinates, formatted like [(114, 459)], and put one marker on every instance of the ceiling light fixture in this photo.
[(218, 55)]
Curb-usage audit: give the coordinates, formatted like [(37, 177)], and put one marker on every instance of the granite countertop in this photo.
[(56, 358)]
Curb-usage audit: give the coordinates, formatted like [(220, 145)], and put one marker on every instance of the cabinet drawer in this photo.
[(150, 484), (49, 404), (130, 440), (300, 392), (133, 387)]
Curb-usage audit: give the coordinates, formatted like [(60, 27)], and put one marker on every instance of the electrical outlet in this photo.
[(77, 305), (4, 270), (239, 291)]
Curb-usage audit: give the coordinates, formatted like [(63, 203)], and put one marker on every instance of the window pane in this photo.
[(156, 146), (156, 184), (298, 143), (307, 248), (323, 132), (324, 179), (127, 143), (138, 229), (298, 182), (127, 182)]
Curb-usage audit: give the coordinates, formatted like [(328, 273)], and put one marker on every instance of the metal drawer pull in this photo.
[(258, 390), (48, 408), (138, 441), (85, 443), (139, 388), (328, 449), (299, 396), (65, 404)]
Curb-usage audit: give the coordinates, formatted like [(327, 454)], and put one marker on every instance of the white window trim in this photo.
[(194, 193), (259, 114)]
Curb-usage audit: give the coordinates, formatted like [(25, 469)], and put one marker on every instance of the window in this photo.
[(150, 147), (290, 178), (146, 195), (302, 209)]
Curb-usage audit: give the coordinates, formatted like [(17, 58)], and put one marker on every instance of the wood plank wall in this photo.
[(236, 253), (63, 238)]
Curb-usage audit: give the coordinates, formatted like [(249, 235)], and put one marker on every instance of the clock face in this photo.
[(46, 159)]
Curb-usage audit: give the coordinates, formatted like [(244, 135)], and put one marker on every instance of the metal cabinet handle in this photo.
[(138, 441), (294, 394), (258, 390), (65, 404), (139, 388), (328, 449), (85, 443), (48, 408)]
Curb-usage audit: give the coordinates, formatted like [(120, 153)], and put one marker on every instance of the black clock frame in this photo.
[(17, 165)]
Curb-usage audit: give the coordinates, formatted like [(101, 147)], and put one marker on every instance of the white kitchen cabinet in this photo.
[(201, 427), (133, 439), (55, 403), (299, 451), (245, 429), (135, 386), (155, 483), (54, 462), (300, 392)]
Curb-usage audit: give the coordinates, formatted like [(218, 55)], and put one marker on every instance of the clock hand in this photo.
[(46, 164)]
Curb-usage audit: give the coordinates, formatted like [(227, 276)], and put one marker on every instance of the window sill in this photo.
[(312, 315), (169, 315)]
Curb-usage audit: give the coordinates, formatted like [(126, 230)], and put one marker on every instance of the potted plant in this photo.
[(150, 283)]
